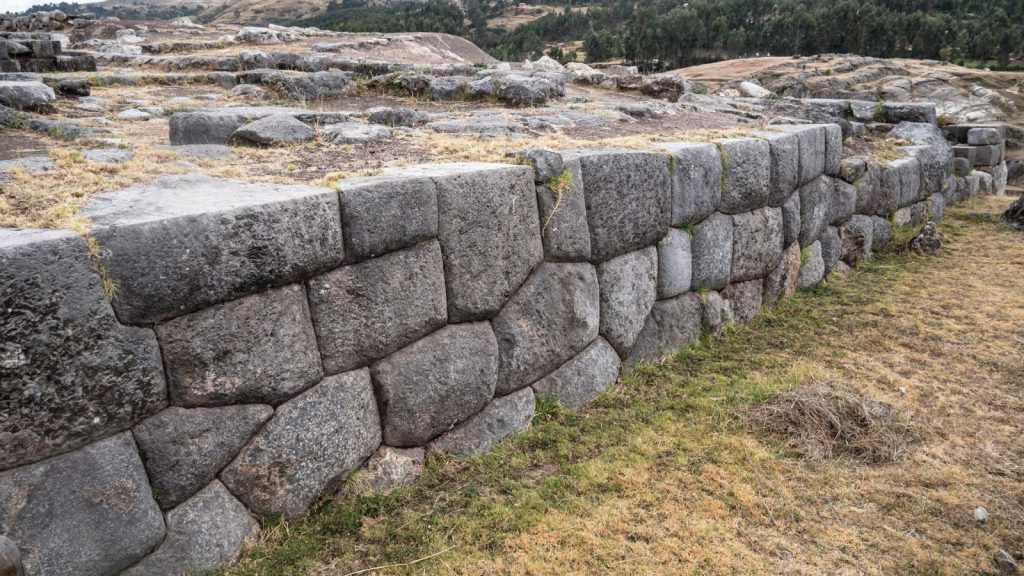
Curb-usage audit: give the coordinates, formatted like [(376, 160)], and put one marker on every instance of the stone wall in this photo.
[(263, 342)]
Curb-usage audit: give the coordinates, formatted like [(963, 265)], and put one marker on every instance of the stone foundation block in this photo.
[(812, 143), (757, 242), (747, 177), (672, 324), (745, 299), (830, 248), (581, 379), (381, 215), (674, 264), (791, 219), (816, 208), (563, 216), (628, 290), (711, 248), (696, 181), (390, 468), (501, 418), (781, 281), (844, 202), (812, 266), (785, 165)]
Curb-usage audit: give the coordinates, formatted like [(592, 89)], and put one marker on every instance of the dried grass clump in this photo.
[(820, 422)]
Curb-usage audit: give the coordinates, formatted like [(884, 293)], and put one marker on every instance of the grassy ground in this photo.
[(664, 474)]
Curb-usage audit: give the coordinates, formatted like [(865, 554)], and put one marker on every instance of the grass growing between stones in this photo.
[(666, 474)]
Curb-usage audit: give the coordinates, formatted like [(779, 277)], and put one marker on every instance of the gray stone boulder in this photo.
[(356, 133), (581, 379), (914, 214), (547, 164), (257, 349), (203, 533), (675, 270), (74, 86), (816, 210), (844, 202), (928, 241), (383, 214), (215, 126), (812, 143), (791, 219), (108, 155), (747, 178), (785, 165), (366, 311), (312, 88), (85, 513), (881, 233), (781, 282), (501, 418), (856, 239), (628, 290), (397, 116), (522, 90), (672, 324), (853, 168), (902, 179), (436, 383), (833, 148), (563, 209), (696, 181), (69, 372), (896, 112), (312, 442), (745, 299), (390, 468), (984, 136), (489, 230), (184, 449), (831, 248), (714, 312), (628, 200), (812, 266), (711, 248), (182, 243), (10, 558), (877, 190), (274, 130), (757, 243), (26, 95), (551, 318)]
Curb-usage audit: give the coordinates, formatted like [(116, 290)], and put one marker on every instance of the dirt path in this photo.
[(664, 475)]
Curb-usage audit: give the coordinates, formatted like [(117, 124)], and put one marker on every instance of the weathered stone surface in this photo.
[(69, 372), (182, 243), (184, 449), (983, 136), (696, 181), (628, 199), (501, 418), (812, 267), (547, 164), (711, 247), (927, 241), (257, 349), (715, 311), (844, 202), (902, 178), (489, 232), (674, 264), (390, 468), (936, 206), (397, 116), (757, 242), (552, 317), (108, 155), (383, 214), (85, 513), (791, 219), (311, 88), (628, 290), (816, 200), (812, 142), (785, 165), (872, 197), (356, 133), (273, 130), (311, 443), (26, 95), (203, 533), (215, 126), (563, 212), (881, 233), (856, 239), (366, 311), (853, 168), (833, 148), (914, 214), (781, 282), (830, 248), (672, 324), (897, 112), (432, 385), (934, 155), (745, 299), (747, 178), (10, 558), (581, 379)]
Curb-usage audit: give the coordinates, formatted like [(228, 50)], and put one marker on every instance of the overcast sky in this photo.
[(19, 5)]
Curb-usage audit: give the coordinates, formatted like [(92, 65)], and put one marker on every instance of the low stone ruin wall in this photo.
[(263, 342), (39, 52)]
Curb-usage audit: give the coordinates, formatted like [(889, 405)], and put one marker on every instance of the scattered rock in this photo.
[(30, 164), (274, 130), (1006, 564), (202, 151), (133, 114), (26, 95), (356, 133), (928, 240), (249, 91), (1015, 213), (980, 515), (397, 116), (390, 468), (109, 155), (74, 86)]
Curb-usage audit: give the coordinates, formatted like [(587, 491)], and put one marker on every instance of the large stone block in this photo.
[(844, 202), (581, 379), (874, 198), (312, 442), (812, 141), (881, 233), (833, 148), (714, 312), (382, 214), (781, 282), (856, 239), (791, 219), (203, 533), (430, 386), (215, 126), (830, 248), (932, 151), (747, 179), (257, 349), (896, 112), (674, 264), (182, 243), (501, 418), (785, 165), (628, 290), (757, 242), (563, 215), (184, 449), (696, 181), (711, 248), (69, 372), (489, 232), (745, 299), (628, 199), (85, 513), (672, 324), (816, 199), (553, 316), (366, 311), (812, 267)]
